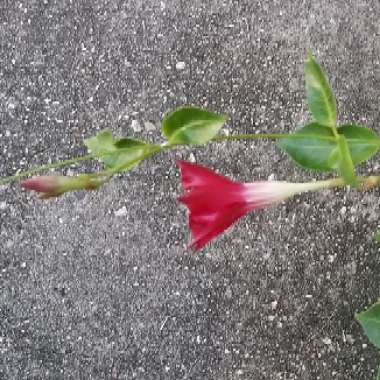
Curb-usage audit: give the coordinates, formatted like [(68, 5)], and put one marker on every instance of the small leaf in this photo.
[(128, 154), (101, 143), (320, 96), (312, 147), (377, 236), (346, 167), (370, 321), (118, 154), (378, 374), (363, 142), (191, 125)]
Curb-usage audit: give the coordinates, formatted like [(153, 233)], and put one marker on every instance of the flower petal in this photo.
[(214, 202), (206, 227), (194, 175)]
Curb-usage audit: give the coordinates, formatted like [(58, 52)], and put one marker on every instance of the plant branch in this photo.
[(270, 136), (158, 148), (38, 169)]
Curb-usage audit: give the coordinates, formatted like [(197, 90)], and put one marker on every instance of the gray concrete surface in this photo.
[(99, 285)]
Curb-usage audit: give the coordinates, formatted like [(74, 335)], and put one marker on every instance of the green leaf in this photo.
[(377, 236), (191, 125), (363, 142), (378, 374), (346, 167), (315, 146), (370, 321), (312, 147), (118, 154), (319, 94)]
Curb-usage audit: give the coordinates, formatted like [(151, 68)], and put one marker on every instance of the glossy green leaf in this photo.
[(319, 94), (346, 166), (312, 147), (377, 236), (370, 321), (191, 125), (315, 146), (118, 154), (363, 142)]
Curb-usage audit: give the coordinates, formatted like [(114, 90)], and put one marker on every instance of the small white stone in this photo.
[(229, 293), (274, 305), (331, 258), (350, 339), (3, 205), (180, 65), (135, 125), (192, 157), (271, 177), (271, 318), (150, 127), (327, 341), (121, 212)]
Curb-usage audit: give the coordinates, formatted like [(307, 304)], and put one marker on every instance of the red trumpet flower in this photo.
[(216, 202)]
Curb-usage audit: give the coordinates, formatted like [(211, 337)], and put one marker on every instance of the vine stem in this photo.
[(269, 136), (251, 136), (88, 157), (38, 169)]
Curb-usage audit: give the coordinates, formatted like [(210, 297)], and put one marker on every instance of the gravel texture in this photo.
[(100, 285)]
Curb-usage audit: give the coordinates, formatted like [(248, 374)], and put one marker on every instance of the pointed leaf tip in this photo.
[(370, 321), (320, 97)]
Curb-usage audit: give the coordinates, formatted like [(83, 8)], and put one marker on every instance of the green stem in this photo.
[(156, 149), (38, 169), (74, 160), (271, 136)]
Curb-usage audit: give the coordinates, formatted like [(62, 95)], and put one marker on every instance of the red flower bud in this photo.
[(54, 186)]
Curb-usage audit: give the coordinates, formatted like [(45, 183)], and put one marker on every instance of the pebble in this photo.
[(149, 127), (135, 125), (327, 341), (180, 65), (121, 212)]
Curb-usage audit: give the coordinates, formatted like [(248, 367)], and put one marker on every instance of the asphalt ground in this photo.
[(99, 285)]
